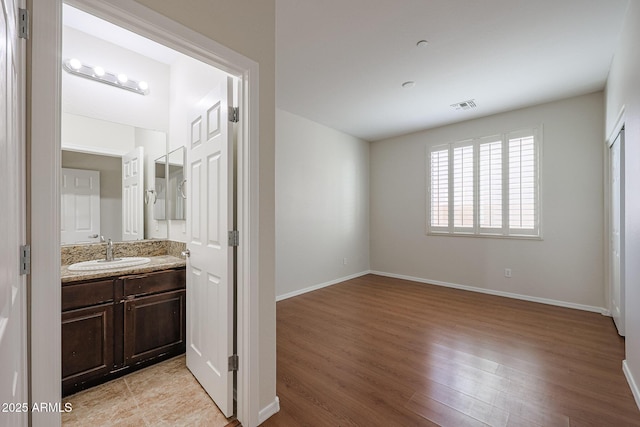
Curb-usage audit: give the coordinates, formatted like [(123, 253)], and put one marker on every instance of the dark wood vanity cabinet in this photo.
[(87, 331), (154, 315), (116, 325)]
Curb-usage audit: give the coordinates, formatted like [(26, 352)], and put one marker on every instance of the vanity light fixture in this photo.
[(96, 73)]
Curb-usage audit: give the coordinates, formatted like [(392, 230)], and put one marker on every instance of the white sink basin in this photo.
[(101, 264)]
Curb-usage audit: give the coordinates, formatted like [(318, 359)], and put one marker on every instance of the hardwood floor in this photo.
[(376, 351)]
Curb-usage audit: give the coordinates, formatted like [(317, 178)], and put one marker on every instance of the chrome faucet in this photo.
[(109, 251)]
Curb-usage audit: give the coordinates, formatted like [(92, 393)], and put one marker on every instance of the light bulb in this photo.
[(75, 64), (122, 78), (98, 71), (143, 85)]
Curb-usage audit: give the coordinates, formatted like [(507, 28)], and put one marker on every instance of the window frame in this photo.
[(504, 231)]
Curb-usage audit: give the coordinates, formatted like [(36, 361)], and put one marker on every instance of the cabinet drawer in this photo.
[(86, 294), (155, 282)]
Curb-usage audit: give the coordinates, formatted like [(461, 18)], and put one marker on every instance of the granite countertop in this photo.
[(157, 263)]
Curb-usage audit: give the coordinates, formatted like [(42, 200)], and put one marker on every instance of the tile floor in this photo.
[(165, 394)]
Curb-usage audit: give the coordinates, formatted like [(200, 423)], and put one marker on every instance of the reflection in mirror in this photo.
[(99, 145), (176, 185), (95, 214), (160, 192)]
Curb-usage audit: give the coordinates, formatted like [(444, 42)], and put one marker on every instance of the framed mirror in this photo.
[(97, 145), (159, 195), (176, 185)]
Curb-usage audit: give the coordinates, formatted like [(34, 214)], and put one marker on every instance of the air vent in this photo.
[(465, 105)]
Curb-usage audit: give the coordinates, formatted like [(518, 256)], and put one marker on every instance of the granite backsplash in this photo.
[(70, 254)]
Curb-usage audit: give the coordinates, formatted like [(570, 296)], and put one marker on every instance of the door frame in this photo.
[(44, 127), (611, 138)]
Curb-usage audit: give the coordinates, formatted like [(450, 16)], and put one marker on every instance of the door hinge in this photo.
[(25, 259), (234, 238), (23, 23), (233, 362), (234, 114)]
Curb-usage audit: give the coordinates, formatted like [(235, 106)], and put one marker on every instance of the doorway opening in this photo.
[(45, 336), (105, 119)]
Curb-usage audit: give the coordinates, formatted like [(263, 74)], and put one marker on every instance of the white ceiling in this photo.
[(342, 62), (99, 28)]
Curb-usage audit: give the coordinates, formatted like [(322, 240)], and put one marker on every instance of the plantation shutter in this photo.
[(487, 186), (490, 185), (439, 189), (463, 188), (522, 184)]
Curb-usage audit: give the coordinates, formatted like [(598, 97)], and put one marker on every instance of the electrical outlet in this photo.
[(507, 272), (344, 261)]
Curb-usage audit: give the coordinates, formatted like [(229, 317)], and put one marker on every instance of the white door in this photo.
[(617, 233), (79, 206), (133, 195), (210, 265), (13, 332)]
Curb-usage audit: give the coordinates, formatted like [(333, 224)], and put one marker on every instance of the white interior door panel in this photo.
[(210, 265)]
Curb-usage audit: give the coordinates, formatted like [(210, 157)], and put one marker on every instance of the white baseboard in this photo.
[(594, 309), (269, 410), (320, 286), (632, 382)]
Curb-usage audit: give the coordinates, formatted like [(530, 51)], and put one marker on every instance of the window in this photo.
[(486, 186)]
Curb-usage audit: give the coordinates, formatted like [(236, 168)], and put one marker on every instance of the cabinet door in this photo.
[(154, 326), (87, 345)]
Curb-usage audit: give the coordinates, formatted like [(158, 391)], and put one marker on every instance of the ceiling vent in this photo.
[(465, 105)]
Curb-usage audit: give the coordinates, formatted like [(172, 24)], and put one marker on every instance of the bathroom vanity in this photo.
[(117, 322)]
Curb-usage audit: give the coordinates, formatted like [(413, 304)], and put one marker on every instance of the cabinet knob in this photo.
[(186, 253)]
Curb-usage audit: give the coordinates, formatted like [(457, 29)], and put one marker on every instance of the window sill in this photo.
[(484, 236)]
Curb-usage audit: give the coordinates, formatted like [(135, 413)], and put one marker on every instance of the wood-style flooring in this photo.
[(376, 351)]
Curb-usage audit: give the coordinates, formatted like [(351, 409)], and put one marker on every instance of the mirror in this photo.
[(176, 192), (158, 195), (99, 145)]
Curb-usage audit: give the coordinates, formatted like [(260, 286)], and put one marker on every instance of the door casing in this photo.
[(44, 127)]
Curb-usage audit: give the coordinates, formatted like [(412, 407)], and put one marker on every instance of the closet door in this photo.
[(616, 232)]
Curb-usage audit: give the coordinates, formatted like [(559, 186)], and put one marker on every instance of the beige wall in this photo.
[(322, 205), (248, 27), (566, 266), (623, 90)]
